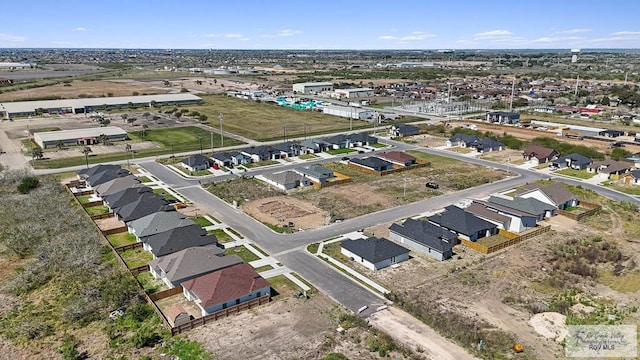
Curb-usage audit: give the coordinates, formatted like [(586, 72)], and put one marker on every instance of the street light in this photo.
[(200, 140), (221, 136)]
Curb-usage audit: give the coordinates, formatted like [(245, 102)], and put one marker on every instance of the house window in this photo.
[(224, 306), (237, 301)]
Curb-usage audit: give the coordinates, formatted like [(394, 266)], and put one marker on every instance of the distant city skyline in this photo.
[(359, 24)]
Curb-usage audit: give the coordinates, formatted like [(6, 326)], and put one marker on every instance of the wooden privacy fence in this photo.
[(117, 230), (510, 240), (593, 208), (220, 314), (123, 248), (92, 204), (166, 293), (342, 179), (139, 269), (102, 216)]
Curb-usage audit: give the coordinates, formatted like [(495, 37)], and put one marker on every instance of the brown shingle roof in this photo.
[(555, 192), (397, 156), (538, 152), (225, 285), (482, 212)]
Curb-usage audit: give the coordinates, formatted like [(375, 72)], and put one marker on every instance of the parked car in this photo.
[(432, 185), (345, 158)]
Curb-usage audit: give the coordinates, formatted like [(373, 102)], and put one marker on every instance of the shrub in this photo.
[(27, 184), (69, 348)]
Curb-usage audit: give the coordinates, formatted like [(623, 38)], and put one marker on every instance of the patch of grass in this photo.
[(245, 254), (333, 250), (149, 283), (313, 248), (121, 239), (302, 280), (202, 221), (136, 257), (221, 235), (581, 174), (627, 189), (242, 189), (283, 286), (187, 349), (235, 233), (628, 282), (44, 129), (378, 145), (263, 268), (279, 229), (83, 199), (165, 194), (307, 156), (339, 151), (461, 150), (261, 163), (433, 159), (260, 250), (97, 210), (144, 179)]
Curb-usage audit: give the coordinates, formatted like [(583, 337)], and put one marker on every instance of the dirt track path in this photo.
[(414, 334)]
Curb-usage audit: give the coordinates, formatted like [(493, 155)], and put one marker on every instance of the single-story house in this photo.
[(464, 224), (425, 237), (314, 146), (573, 161), (611, 133), (117, 184), (503, 117), (177, 239), (530, 205), (225, 288), (610, 168), (85, 173), (501, 221), (147, 203), (178, 267), (488, 145), (539, 153), (519, 220), (462, 140), (106, 175), (316, 173), (258, 153), (632, 177), (125, 196), (158, 222), (342, 141), (555, 194), (398, 157), (374, 253), (286, 149), (362, 139), (404, 130), (372, 163), (230, 158), (285, 180), (197, 162)]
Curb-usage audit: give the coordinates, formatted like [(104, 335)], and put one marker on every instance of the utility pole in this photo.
[(200, 139), (211, 143), (404, 191), (351, 119), (513, 88), (284, 136), (575, 93), (221, 136)]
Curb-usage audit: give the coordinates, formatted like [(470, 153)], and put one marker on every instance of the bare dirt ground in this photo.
[(77, 88), (427, 140), (284, 209), (108, 223)]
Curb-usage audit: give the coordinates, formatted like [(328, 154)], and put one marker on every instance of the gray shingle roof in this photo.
[(177, 239), (427, 234), (146, 204), (106, 175), (197, 160), (372, 162), (85, 173), (126, 196), (158, 222), (527, 205), (374, 249), (194, 261), (285, 177), (117, 184), (460, 221)]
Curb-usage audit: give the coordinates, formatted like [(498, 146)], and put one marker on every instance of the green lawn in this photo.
[(627, 189), (378, 145), (307, 156), (243, 253), (136, 257), (164, 194), (581, 174), (340, 151), (202, 221), (333, 250), (313, 248), (260, 250), (280, 229), (283, 286), (263, 268), (144, 179), (149, 284), (121, 239), (97, 210), (222, 236), (261, 163), (83, 199), (170, 140), (262, 121), (235, 233)]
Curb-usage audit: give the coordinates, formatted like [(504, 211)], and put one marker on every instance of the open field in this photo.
[(262, 121), (79, 89)]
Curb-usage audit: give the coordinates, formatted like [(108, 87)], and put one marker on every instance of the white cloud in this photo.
[(387, 37), (414, 36), (233, 36), (229, 36), (493, 34), (11, 38), (573, 31), (626, 33), (80, 28), (282, 33)]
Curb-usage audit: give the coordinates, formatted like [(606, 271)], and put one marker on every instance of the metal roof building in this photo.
[(87, 136), (312, 87), (79, 106)]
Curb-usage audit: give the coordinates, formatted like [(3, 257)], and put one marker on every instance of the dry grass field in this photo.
[(79, 88)]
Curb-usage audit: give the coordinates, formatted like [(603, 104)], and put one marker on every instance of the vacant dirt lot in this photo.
[(78, 88), (280, 210)]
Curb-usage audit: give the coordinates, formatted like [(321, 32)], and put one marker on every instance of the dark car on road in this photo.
[(432, 185)]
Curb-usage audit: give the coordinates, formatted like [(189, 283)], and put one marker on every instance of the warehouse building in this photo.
[(89, 136), (81, 106), (349, 112), (353, 93), (312, 87)]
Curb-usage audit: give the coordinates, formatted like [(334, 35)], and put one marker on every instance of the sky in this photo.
[(323, 24)]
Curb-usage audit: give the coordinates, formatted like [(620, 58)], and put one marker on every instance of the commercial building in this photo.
[(81, 106), (349, 112), (312, 87), (353, 93), (89, 136)]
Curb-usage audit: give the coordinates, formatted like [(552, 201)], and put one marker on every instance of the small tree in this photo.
[(27, 184), (60, 144), (37, 153), (143, 131), (103, 138), (203, 118), (124, 117), (86, 150), (131, 120), (178, 115), (69, 348)]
